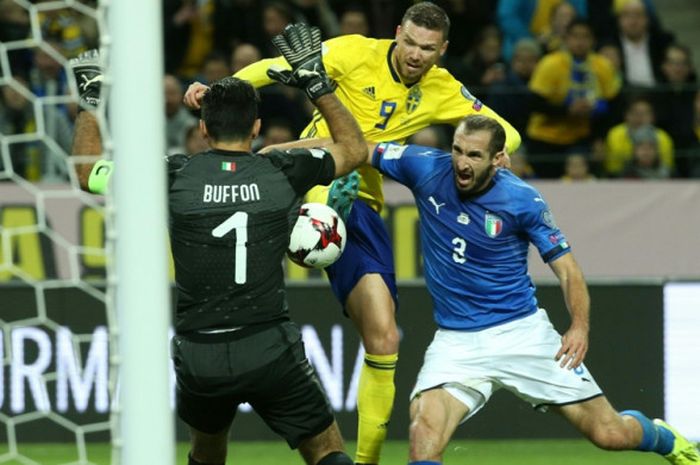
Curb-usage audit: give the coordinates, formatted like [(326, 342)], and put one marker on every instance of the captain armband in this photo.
[(101, 173)]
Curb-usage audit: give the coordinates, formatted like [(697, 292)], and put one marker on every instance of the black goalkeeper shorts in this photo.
[(268, 369)]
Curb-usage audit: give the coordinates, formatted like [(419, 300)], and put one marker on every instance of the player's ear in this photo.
[(203, 129), (499, 159), (443, 47), (398, 31), (256, 129)]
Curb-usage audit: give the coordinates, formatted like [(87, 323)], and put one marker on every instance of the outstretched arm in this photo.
[(348, 149), (316, 143), (573, 285), (87, 70), (300, 45), (86, 141)]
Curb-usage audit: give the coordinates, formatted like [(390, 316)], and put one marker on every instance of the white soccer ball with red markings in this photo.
[(318, 237)]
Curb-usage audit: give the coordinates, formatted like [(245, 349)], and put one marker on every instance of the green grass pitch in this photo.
[(481, 452)]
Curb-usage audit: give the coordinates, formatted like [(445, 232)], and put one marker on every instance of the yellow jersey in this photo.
[(384, 107), (620, 149), (553, 80)]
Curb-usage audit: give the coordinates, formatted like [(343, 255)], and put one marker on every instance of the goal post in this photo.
[(59, 364), (137, 123)]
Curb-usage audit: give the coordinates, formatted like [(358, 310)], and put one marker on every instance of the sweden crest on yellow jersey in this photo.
[(413, 99)]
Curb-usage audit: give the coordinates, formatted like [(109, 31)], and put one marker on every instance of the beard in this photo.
[(479, 182)]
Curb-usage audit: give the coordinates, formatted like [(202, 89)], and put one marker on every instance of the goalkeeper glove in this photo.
[(87, 69), (300, 45)]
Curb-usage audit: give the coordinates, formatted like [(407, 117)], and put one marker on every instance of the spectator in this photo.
[(602, 16), (642, 47), (675, 103), (47, 78), (468, 18), (215, 67), (354, 21), (482, 66), (14, 25), (570, 88), (237, 22), (509, 96), (528, 18), (275, 17), (619, 143), (14, 21), (200, 39), (63, 27), (552, 38), (520, 166), (188, 33), (612, 52), (646, 163), (35, 160), (177, 16), (277, 132), (195, 142), (577, 168), (320, 14), (177, 117), (244, 55)]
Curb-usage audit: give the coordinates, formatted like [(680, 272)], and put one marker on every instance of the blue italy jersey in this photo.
[(474, 249)]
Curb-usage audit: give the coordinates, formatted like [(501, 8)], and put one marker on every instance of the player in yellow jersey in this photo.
[(393, 88)]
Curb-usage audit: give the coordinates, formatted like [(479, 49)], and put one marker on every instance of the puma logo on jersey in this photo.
[(369, 91), (88, 82), (437, 206)]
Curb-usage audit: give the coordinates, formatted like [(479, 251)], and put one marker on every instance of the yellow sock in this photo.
[(375, 399)]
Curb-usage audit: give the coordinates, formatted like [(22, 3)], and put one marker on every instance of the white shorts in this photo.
[(517, 356)]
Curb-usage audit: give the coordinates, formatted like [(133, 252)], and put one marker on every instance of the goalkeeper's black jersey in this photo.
[(231, 214)]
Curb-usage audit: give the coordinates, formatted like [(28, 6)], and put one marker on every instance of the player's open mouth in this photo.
[(413, 67), (463, 179)]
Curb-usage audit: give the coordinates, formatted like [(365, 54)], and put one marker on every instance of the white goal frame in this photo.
[(137, 125)]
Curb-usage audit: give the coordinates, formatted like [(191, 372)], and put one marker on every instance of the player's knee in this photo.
[(382, 341), (424, 441), (335, 458), (386, 344), (423, 431)]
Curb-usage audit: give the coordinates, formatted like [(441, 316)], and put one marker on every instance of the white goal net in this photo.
[(58, 321)]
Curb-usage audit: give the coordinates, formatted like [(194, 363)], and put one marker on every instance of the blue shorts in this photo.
[(367, 250)]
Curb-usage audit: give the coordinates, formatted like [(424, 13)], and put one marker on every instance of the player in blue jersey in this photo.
[(476, 223)]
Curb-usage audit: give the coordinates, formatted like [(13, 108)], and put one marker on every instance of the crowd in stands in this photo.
[(597, 88)]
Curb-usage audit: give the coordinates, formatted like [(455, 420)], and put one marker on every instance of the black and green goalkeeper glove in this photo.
[(300, 45), (87, 69)]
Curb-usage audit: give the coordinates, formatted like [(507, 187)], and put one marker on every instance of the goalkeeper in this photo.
[(394, 89), (234, 341)]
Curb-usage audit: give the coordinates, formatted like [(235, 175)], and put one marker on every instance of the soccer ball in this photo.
[(318, 237)]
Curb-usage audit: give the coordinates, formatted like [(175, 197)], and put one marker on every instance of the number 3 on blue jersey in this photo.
[(385, 111), (458, 253)]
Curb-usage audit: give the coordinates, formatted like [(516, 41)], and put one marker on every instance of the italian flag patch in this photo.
[(228, 166), (493, 225)]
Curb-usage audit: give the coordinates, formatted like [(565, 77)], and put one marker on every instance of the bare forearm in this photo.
[(577, 300), (350, 147), (86, 141), (299, 144)]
